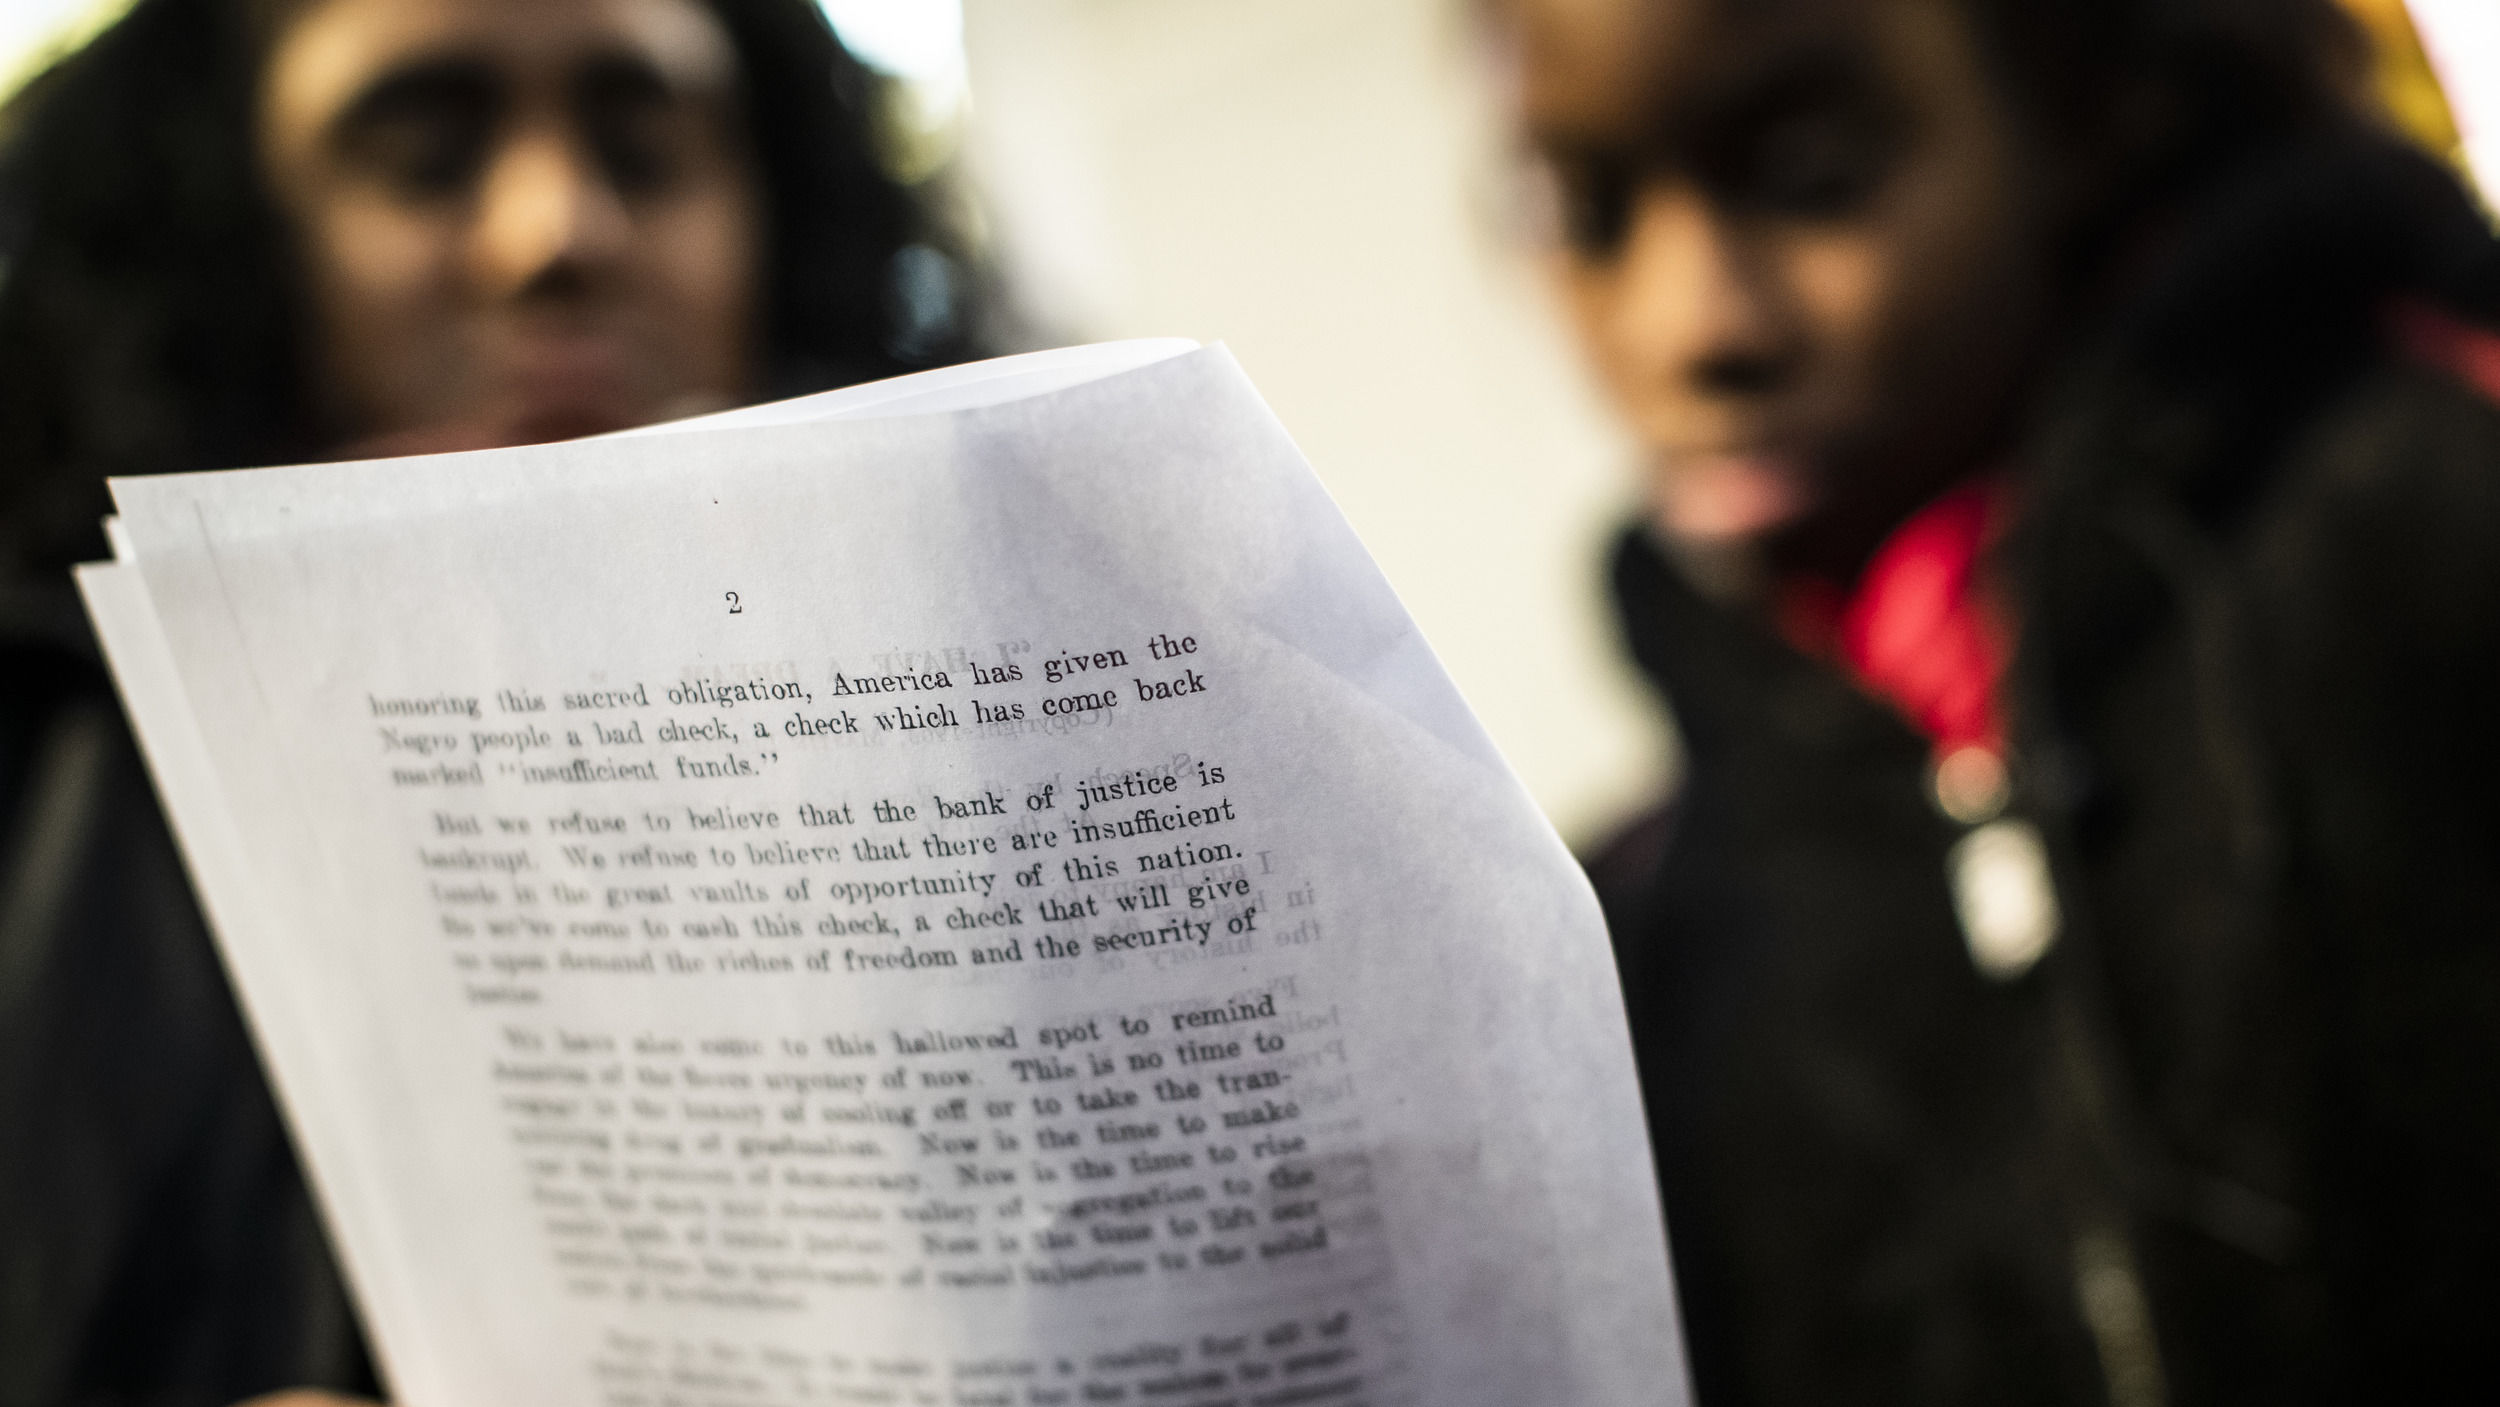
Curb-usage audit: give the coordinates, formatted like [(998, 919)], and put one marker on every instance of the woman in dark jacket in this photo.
[(2070, 969), (490, 221)]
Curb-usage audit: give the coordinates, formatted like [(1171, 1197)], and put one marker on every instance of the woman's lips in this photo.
[(550, 387), (1719, 495), (524, 389)]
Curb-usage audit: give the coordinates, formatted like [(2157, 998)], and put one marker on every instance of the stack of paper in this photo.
[(964, 890)]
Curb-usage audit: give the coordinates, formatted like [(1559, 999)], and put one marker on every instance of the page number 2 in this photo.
[(734, 607)]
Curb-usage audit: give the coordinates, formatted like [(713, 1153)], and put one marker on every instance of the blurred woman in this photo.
[(241, 232), (2070, 971)]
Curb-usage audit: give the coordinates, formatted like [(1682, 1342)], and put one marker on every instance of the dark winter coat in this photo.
[(2236, 1137), (157, 1248)]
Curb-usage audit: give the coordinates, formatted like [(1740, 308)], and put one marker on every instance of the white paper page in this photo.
[(1262, 1044), (275, 990), (965, 387)]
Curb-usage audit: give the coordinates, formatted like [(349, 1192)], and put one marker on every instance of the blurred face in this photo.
[(1800, 246), (521, 220)]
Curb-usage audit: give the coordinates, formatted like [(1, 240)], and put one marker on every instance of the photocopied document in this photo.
[(970, 890)]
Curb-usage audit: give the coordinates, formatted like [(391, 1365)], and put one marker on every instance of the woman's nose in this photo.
[(1696, 314), (546, 215)]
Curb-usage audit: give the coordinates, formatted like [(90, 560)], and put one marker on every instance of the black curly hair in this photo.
[(148, 317), (2162, 96)]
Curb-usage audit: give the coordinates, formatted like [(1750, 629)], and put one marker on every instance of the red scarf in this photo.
[(1922, 629)]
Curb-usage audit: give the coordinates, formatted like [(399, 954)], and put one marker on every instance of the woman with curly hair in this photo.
[(239, 232), (2070, 968)]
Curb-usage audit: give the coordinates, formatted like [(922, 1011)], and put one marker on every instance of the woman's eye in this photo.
[(1812, 168), (1596, 209), (425, 132), (636, 149), (425, 156), (642, 132)]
